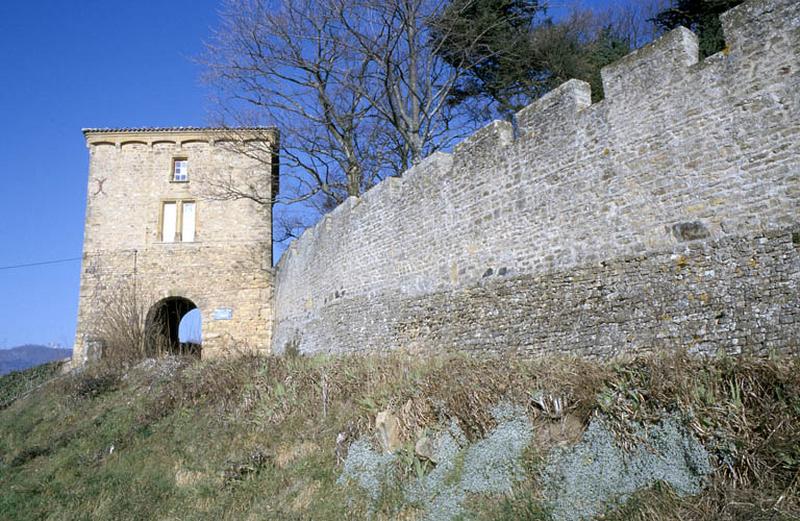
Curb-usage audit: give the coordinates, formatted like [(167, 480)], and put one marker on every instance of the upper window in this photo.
[(180, 170)]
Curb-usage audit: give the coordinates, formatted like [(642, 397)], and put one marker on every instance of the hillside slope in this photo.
[(491, 439)]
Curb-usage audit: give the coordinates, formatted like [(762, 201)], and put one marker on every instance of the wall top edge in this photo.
[(110, 130), (93, 135)]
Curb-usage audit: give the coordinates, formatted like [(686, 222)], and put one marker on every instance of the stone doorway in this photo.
[(164, 328)]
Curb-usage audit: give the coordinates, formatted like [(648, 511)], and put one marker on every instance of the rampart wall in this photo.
[(666, 215)]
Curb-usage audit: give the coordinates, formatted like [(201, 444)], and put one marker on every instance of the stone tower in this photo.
[(166, 233)]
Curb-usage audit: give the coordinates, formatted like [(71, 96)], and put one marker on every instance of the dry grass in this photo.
[(290, 410), (121, 332), (746, 410)]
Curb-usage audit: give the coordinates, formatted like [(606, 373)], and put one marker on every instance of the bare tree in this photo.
[(285, 63), (356, 88), (123, 329), (408, 81), (634, 20)]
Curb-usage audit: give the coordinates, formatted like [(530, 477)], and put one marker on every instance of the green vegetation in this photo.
[(702, 17), (18, 383), (256, 438), (509, 53)]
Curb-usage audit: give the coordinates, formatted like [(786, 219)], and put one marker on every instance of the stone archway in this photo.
[(163, 326)]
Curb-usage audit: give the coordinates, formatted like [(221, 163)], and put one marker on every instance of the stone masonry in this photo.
[(666, 215), (225, 270)]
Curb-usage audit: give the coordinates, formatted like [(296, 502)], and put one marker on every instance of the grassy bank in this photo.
[(267, 438)]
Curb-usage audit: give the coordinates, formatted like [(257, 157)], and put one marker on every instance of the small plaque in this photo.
[(222, 314)]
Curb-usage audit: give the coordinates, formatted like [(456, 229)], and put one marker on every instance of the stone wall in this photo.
[(226, 271), (664, 215)]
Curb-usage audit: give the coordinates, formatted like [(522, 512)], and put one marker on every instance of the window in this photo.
[(169, 228), (180, 170), (178, 221), (187, 221)]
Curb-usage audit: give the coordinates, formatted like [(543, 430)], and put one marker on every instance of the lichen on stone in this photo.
[(583, 481), (367, 467), (492, 465), (488, 466), (437, 492)]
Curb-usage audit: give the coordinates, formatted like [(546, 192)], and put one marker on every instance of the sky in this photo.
[(66, 65)]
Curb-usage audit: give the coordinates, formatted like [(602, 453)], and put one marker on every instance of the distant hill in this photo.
[(23, 357)]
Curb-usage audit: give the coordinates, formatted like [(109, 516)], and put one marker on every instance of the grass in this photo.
[(255, 438), (18, 383)]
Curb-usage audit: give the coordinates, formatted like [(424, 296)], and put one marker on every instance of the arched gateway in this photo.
[(163, 328)]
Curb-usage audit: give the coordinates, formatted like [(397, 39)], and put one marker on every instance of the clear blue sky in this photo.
[(65, 65)]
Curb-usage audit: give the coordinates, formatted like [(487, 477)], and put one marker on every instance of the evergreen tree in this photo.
[(702, 17), (511, 53), (490, 40)]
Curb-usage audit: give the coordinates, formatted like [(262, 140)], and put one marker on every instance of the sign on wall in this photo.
[(222, 314)]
